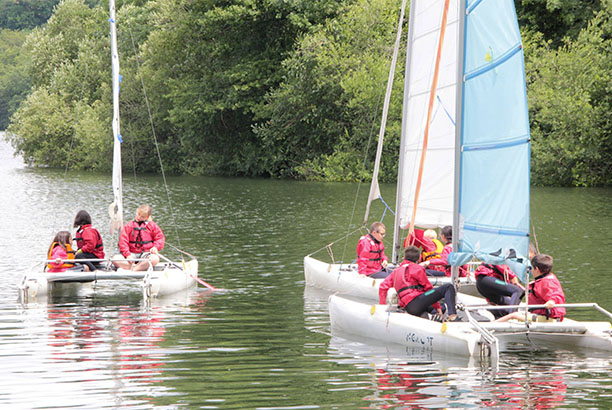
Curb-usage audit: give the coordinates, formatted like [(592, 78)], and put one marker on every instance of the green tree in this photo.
[(570, 99), (25, 14), (66, 115), (556, 19), (319, 122), (14, 86), (212, 63)]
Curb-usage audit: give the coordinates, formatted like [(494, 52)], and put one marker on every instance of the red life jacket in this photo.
[(544, 288), (98, 247), (140, 236), (405, 283), (370, 254)]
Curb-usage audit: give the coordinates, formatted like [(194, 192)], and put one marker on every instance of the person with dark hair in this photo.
[(415, 293), (371, 258), (60, 251), (88, 240), (140, 239), (545, 290)]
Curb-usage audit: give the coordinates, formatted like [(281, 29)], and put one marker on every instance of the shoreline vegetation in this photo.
[(274, 89)]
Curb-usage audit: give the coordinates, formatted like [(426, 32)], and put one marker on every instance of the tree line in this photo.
[(273, 88)]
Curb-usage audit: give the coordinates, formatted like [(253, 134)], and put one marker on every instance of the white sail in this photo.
[(116, 208), (435, 202)]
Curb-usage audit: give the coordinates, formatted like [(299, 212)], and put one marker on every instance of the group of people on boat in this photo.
[(140, 241), (425, 256)]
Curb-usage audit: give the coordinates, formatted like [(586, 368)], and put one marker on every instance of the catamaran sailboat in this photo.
[(166, 278), (465, 130)]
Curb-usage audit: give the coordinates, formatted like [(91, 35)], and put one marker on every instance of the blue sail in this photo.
[(494, 159)]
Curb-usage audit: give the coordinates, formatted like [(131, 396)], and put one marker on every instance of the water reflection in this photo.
[(116, 353)]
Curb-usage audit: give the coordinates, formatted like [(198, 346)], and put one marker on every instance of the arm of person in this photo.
[(124, 242), (89, 241), (362, 246), (384, 289), (159, 240), (58, 254), (442, 260)]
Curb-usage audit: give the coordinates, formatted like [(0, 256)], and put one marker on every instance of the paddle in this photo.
[(200, 281)]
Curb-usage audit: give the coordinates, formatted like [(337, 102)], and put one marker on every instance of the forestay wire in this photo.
[(161, 165)]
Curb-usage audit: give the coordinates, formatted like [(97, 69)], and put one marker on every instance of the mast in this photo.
[(397, 240), (458, 126), (374, 187), (116, 208)]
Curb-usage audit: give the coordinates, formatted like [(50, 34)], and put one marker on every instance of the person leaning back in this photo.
[(140, 242)]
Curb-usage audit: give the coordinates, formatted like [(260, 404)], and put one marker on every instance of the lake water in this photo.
[(264, 341)]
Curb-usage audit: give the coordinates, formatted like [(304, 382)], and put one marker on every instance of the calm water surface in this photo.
[(264, 342)]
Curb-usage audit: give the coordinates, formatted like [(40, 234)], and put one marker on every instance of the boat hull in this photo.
[(570, 334), (345, 279), (170, 279), (375, 321)]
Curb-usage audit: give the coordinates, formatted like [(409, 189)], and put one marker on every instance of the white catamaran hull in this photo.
[(376, 322), (167, 279), (345, 279), (170, 280), (587, 336)]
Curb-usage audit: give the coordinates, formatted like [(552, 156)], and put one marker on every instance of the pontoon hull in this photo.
[(374, 321), (345, 279), (157, 283)]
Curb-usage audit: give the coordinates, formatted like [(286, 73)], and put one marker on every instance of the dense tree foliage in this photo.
[(570, 98), (25, 14), (277, 88), (317, 123), (14, 86)]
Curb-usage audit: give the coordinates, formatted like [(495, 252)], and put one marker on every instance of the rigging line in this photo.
[(383, 121), (365, 159), (337, 240), (161, 165), (432, 95), (76, 122)]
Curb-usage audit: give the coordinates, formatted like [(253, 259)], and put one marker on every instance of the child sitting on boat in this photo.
[(439, 266), (545, 290), (140, 242), (415, 292), (424, 241), (88, 240), (60, 251), (371, 258)]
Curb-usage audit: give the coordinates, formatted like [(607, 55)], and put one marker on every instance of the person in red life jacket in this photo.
[(60, 251), (415, 293), (140, 239), (439, 266), (425, 243), (371, 258), (500, 286), (545, 290), (88, 240)]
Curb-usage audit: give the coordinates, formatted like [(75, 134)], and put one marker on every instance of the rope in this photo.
[(180, 250), (161, 165), (332, 243)]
